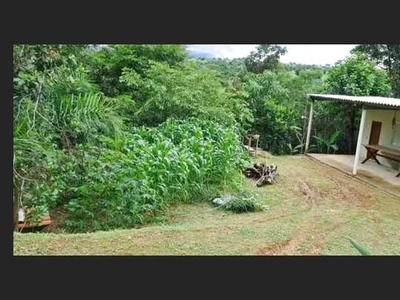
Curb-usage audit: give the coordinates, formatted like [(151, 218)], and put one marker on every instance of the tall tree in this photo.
[(273, 119), (355, 76), (108, 63), (266, 57), (180, 92), (388, 56)]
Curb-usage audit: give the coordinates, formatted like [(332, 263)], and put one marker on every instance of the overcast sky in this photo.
[(303, 54)]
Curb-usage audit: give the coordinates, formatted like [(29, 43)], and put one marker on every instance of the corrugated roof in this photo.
[(373, 100)]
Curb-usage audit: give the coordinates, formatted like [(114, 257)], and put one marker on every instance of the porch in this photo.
[(380, 176)]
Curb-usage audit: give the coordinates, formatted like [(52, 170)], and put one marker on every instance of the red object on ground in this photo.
[(45, 221)]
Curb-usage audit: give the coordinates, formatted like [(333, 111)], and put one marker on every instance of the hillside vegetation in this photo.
[(111, 136)]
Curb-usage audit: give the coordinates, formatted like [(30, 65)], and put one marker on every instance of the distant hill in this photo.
[(199, 54)]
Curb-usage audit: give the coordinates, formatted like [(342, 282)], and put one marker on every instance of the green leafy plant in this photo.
[(354, 76), (327, 144), (296, 149), (241, 203), (362, 250), (131, 179)]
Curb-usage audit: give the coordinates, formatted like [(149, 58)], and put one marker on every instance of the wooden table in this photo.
[(389, 153)]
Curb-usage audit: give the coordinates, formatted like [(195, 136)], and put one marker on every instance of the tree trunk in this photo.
[(351, 115)]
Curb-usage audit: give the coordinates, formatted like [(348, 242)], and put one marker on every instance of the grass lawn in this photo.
[(309, 211)]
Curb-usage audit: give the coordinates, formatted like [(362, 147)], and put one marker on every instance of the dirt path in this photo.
[(311, 228), (290, 246)]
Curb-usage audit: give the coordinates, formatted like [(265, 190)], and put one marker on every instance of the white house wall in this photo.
[(385, 139)]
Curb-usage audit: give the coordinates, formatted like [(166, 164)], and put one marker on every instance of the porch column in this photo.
[(309, 127), (360, 135)]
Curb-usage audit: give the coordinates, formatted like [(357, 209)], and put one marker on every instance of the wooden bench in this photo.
[(250, 138), (46, 220), (386, 152)]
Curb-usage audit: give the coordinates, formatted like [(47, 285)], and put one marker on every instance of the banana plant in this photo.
[(298, 148), (329, 143)]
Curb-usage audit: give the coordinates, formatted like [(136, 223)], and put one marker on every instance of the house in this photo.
[(378, 142)]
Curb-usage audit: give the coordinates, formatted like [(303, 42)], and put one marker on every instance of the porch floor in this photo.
[(378, 175)]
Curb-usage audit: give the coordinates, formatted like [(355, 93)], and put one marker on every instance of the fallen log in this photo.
[(264, 174)]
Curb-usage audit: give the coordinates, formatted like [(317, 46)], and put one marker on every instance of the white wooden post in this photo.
[(309, 127), (359, 141)]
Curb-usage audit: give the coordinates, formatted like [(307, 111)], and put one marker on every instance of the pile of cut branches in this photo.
[(238, 203), (265, 174)]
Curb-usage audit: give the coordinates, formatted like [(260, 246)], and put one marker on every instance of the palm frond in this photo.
[(359, 248)]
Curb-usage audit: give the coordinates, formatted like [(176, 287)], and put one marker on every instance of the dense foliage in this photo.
[(265, 57), (115, 133), (355, 76), (98, 131), (387, 56), (127, 180)]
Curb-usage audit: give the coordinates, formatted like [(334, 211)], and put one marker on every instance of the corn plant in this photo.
[(128, 181)]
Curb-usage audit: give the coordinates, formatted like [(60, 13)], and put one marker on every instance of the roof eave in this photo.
[(359, 101)]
